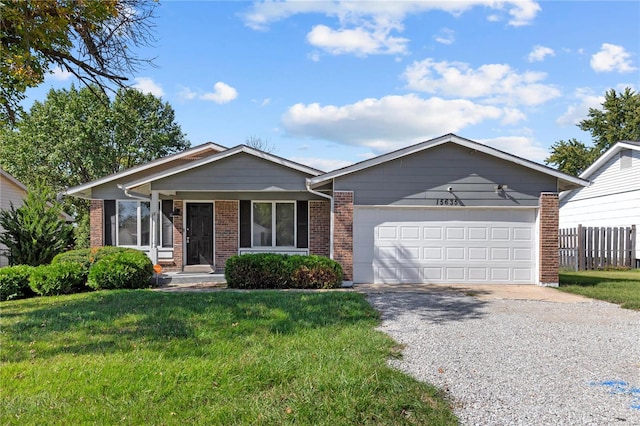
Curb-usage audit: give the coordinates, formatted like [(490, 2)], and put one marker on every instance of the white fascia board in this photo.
[(439, 141), (217, 157), (169, 158)]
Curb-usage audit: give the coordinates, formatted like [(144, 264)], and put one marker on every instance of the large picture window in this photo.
[(273, 224), (134, 223)]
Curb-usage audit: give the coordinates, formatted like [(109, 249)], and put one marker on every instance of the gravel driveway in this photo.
[(519, 362)]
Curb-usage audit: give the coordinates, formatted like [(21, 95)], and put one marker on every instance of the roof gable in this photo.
[(221, 156), (564, 181), (12, 179), (192, 154), (608, 154)]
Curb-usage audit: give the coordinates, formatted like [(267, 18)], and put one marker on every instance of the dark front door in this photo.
[(199, 234)]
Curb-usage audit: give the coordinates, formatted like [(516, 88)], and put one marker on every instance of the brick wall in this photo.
[(319, 227), (343, 232), (96, 223), (549, 260), (177, 263), (226, 231)]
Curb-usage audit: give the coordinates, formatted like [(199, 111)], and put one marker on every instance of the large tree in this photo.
[(618, 120), (74, 137), (92, 39)]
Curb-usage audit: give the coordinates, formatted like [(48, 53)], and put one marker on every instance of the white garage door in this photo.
[(495, 246)]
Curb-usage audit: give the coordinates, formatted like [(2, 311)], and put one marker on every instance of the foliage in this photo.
[(571, 156), (214, 358), (14, 282), (92, 39), (122, 269), (87, 257), (34, 233), (56, 279), (619, 120), (621, 287), (74, 137), (260, 144), (272, 270)]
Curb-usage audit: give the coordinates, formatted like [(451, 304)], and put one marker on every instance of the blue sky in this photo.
[(332, 83)]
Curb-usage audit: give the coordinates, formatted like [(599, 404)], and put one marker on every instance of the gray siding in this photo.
[(240, 172), (422, 179)]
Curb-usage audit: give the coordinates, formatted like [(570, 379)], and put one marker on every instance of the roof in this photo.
[(565, 181), (606, 156), (217, 157), (13, 180), (78, 190)]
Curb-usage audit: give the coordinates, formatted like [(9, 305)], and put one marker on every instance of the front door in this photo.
[(200, 234)]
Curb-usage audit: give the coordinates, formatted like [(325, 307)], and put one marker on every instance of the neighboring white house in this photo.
[(613, 198), (12, 191)]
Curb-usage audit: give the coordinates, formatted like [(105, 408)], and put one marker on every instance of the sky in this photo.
[(328, 84)]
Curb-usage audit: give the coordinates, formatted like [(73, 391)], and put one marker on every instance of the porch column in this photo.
[(343, 232), (155, 215), (548, 262)]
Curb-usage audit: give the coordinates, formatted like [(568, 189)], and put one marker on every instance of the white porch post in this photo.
[(155, 217)]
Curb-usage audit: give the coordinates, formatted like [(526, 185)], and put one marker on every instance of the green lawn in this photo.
[(621, 287), (259, 358)]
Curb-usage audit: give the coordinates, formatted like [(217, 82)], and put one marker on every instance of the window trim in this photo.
[(273, 224), (138, 223)]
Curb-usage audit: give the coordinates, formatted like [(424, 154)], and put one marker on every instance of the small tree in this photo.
[(34, 233)]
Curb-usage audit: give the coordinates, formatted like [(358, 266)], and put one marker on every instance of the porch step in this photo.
[(187, 278), (205, 269)]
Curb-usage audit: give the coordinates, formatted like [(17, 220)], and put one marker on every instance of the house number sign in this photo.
[(447, 202)]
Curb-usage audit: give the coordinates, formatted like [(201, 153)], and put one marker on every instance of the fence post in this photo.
[(633, 246)]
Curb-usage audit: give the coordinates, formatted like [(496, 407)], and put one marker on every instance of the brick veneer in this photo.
[(177, 263), (96, 223), (226, 231), (343, 232), (319, 227), (549, 261)]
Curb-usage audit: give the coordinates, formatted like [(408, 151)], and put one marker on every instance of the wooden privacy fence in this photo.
[(585, 247)]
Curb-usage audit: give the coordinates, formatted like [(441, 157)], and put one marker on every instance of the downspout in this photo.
[(130, 195), (330, 198)]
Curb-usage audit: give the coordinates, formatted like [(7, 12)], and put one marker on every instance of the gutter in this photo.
[(131, 195), (330, 198)]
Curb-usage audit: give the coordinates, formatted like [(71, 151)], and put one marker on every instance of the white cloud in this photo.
[(358, 41), (367, 27), (147, 85), (539, 53), (518, 145), (386, 123), (323, 164), (579, 111), (445, 36), (222, 93), (494, 83), (187, 94), (610, 58), (59, 74)]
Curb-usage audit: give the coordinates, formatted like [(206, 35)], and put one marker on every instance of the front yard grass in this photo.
[(620, 287), (259, 358)]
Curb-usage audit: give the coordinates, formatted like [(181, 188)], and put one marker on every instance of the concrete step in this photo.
[(188, 278)]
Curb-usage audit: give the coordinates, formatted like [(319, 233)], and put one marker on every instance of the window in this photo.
[(134, 223), (269, 218)]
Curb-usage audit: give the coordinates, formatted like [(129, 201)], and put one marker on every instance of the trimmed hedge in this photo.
[(56, 279), (14, 282), (274, 271), (122, 269)]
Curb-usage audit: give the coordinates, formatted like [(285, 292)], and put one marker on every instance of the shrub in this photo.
[(269, 270), (34, 233), (89, 256), (59, 278), (14, 282), (121, 269)]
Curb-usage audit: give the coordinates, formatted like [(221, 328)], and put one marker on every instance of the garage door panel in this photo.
[(444, 246)]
